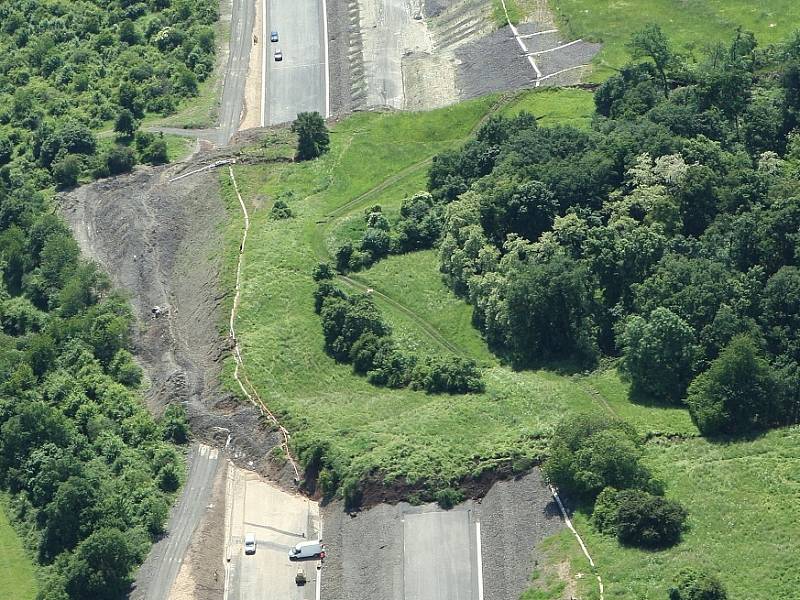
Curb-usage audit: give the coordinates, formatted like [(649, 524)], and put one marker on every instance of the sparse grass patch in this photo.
[(690, 25), (515, 14), (178, 147), (17, 573), (550, 106)]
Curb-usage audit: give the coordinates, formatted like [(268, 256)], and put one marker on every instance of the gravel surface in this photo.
[(365, 553), (344, 56)]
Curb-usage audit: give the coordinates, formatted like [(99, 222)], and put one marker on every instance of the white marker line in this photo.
[(263, 59), (561, 71), (480, 560), (318, 591), (553, 49), (521, 43), (546, 31), (327, 65)]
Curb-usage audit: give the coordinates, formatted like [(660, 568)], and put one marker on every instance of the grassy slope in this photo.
[(17, 573), (741, 514), (690, 24), (742, 502), (401, 432)]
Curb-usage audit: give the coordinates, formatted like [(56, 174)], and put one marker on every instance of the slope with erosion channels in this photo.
[(404, 434)]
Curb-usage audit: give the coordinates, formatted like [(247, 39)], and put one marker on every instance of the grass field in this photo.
[(742, 500), (17, 573), (399, 433), (690, 24)]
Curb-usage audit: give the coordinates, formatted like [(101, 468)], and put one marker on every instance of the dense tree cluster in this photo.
[(597, 459), (355, 333), (90, 472), (667, 234), (418, 227), (68, 68)]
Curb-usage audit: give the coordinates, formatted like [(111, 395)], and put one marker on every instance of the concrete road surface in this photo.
[(279, 520), (241, 41), (158, 572), (296, 84), (440, 556)]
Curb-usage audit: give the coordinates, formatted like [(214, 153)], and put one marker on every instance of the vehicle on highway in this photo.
[(250, 543), (307, 550), (273, 36), (278, 55)]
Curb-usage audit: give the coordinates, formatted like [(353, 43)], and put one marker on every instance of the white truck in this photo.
[(307, 550)]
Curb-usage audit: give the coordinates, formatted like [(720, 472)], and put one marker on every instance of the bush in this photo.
[(589, 452), (66, 172), (175, 424), (452, 375), (352, 494), (648, 521), (696, 584), (322, 272), (447, 498), (120, 159), (155, 153), (280, 210), (124, 369)]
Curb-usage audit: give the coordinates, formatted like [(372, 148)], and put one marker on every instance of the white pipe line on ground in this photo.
[(580, 540), (218, 163), (535, 33), (553, 49), (237, 354), (561, 71), (521, 43)]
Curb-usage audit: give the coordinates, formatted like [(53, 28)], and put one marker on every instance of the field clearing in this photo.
[(742, 503), (17, 573), (690, 24)]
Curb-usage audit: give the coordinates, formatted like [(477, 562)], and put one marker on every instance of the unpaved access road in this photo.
[(279, 521), (166, 556)]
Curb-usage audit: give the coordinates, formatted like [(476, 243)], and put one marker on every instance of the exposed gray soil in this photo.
[(344, 57), (365, 552), (161, 242)]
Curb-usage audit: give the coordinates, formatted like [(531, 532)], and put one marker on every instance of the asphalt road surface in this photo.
[(440, 556), (242, 19), (279, 520), (166, 556), (297, 83)]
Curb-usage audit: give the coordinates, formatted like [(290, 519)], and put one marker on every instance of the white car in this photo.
[(250, 543), (278, 56)]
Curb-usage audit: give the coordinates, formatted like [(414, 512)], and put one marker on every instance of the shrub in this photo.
[(452, 375), (120, 159), (174, 424), (66, 172), (155, 153), (591, 452), (352, 494), (696, 584), (322, 271), (447, 498), (124, 369), (280, 210), (648, 521)]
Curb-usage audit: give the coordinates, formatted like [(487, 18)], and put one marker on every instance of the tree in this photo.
[(66, 172), (651, 42), (312, 135), (125, 123), (696, 584), (120, 159), (659, 355), (589, 452), (156, 152), (71, 516), (174, 424), (101, 566), (737, 394)]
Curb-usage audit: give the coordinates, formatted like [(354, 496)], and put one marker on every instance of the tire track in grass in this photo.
[(363, 199)]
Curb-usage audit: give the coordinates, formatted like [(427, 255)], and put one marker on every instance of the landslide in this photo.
[(160, 239)]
